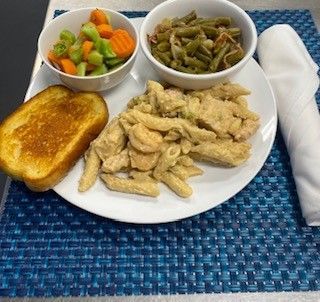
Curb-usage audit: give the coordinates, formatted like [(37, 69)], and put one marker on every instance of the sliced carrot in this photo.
[(120, 31), (53, 58), (68, 66), (98, 17), (122, 44), (105, 30), (86, 48)]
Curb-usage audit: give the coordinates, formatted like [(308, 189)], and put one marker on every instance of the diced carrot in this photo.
[(105, 30), (98, 17), (122, 44), (53, 58), (68, 66), (86, 48)]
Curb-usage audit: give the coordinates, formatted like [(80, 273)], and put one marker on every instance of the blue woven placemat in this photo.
[(255, 242)]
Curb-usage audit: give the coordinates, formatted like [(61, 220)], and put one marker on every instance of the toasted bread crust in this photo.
[(42, 140)]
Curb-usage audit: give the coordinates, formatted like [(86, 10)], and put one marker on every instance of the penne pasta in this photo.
[(184, 172), (132, 186), (167, 160), (177, 185), (91, 170)]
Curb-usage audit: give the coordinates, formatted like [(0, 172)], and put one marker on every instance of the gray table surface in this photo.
[(32, 16), (18, 53)]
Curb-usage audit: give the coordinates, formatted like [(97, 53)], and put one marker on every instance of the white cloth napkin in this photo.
[(293, 77)]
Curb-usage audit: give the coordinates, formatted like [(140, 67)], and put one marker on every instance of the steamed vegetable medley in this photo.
[(197, 45), (98, 48)]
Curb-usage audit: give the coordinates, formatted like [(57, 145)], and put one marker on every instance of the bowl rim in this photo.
[(55, 20), (211, 76)]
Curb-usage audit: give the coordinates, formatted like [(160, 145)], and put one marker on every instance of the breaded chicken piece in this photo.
[(227, 119)]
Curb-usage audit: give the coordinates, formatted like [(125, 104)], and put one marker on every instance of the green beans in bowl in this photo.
[(195, 44)]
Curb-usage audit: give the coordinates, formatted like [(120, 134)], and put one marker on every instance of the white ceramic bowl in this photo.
[(72, 21), (204, 8)]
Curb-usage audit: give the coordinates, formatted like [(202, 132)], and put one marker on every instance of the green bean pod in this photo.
[(205, 51), (165, 57), (194, 62), (155, 55), (188, 32), (207, 23), (195, 22), (197, 45), (210, 31), (163, 46), (175, 63), (218, 58), (202, 57), (185, 69), (199, 70), (163, 36), (192, 46), (234, 31), (185, 41), (208, 43), (226, 21), (186, 19), (177, 52), (206, 72), (180, 24)]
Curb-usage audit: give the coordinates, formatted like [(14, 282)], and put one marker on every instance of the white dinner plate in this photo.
[(212, 188)]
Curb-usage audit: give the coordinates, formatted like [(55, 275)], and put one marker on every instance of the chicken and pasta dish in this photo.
[(164, 132)]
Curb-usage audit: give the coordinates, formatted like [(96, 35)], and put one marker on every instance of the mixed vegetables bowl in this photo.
[(90, 49)]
